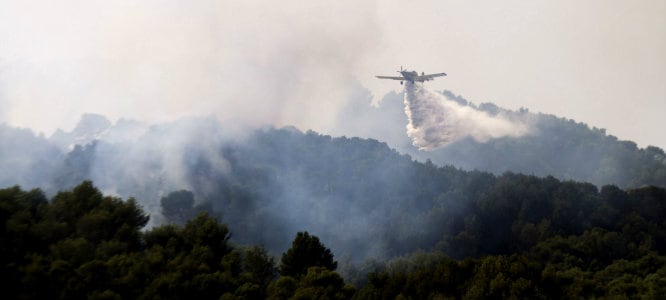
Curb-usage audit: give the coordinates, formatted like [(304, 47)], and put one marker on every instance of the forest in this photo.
[(83, 244), (192, 208)]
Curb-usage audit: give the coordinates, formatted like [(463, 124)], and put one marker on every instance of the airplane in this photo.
[(412, 76)]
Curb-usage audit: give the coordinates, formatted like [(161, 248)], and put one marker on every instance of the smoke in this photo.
[(160, 158), (265, 184), (158, 61), (435, 121)]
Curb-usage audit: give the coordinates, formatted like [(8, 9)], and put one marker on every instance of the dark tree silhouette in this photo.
[(306, 251)]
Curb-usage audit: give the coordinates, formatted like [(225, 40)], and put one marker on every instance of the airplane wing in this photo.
[(429, 76), (391, 77)]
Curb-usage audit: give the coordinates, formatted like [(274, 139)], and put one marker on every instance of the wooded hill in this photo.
[(81, 244), (556, 146), (396, 225)]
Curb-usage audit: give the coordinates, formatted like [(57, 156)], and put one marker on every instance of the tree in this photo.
[(204, 230), (322, 283), (306, 251), (258, 265)]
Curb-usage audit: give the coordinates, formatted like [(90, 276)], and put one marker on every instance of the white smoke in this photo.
[(435, 121), (244, 62)]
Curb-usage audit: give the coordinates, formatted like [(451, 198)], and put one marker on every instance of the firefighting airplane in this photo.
[(412, 76)]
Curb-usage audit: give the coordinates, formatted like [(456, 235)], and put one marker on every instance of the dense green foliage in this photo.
[(270, 183), (374, 203), (596, 244), (306, 251), (558, 269), (445, 232), (85, 245), (400, 205)]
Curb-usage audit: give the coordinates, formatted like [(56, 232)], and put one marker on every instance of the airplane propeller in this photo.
[(400, 70)]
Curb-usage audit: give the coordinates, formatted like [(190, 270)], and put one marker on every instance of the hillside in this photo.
[(559, 147), (376, 209), (288, 181), (82, 244)]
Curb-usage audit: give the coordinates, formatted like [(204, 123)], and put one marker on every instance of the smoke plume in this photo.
[(156, 62), (435, 121)]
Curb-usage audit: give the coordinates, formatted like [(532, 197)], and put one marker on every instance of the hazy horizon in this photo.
[(598, 62)]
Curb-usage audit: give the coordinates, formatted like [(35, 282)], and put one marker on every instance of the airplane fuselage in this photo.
[(412, 76)]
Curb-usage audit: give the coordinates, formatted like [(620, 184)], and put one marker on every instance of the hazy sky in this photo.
[(295, 62)]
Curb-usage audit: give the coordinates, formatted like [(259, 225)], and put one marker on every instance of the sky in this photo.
[(297, 63)]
